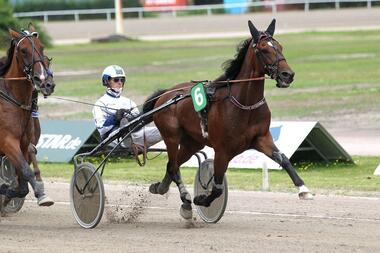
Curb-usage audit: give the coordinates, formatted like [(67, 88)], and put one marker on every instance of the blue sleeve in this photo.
[(110, 121)]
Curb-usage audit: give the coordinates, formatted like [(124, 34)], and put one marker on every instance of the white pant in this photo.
[(152, 136)]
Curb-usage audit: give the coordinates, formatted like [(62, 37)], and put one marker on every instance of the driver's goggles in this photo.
[(119, 79)]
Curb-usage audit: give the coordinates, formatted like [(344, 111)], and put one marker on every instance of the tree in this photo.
[(7, 21)]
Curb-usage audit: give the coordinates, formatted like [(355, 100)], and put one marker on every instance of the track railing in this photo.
[(174, 10)]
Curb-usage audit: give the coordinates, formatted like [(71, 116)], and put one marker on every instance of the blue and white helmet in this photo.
[(111, 72)]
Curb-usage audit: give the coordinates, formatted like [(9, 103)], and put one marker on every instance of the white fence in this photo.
[(174, 10)]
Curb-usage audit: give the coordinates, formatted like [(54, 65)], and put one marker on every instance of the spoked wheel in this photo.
[(87, 201), (203, 185), (9, 177)]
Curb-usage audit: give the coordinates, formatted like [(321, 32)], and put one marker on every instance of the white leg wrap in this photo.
[(304, 193), (302, 189)]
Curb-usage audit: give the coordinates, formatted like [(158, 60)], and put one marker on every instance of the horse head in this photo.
[(32, 61), (269, 54)]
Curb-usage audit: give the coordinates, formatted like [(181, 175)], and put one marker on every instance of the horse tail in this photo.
[(151, 101)]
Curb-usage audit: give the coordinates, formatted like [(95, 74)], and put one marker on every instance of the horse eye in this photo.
[(24, 51)]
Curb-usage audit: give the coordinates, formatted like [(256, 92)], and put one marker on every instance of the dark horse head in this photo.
[(29, 53), (269, 53)]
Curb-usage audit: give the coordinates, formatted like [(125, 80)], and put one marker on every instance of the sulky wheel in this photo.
[(87, 201), (203, 185), (8, 176)]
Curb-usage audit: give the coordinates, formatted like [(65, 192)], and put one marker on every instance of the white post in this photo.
[(119, 17), (265, 177)]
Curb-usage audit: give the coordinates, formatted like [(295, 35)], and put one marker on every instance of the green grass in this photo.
[(322, 61), (335, 72), (335, 177)]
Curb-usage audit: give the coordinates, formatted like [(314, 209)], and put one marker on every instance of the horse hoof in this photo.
[(157, 188), (201, 200), (45, 200), (305, 196), (186, 212), (153, 188), (162, 190)]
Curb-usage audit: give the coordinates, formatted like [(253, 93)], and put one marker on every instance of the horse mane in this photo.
[(5, 62), (232, 67)]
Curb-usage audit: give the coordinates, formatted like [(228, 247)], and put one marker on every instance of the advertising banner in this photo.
[(163, 3), (300, 141), (61, 139)]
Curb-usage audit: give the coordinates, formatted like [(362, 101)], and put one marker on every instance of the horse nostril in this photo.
[(36, 79), (288, 75)]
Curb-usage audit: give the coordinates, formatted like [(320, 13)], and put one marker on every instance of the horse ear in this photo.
[(14, 34), (254, 32), (271, 27), (31, 27)]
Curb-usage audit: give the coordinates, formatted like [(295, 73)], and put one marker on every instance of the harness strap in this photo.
[(235, 102), (14, 78), (136, 152), (13, 101)]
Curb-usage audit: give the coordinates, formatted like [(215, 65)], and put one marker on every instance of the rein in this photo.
[(237, 103), (7, 97), (14, 78), (84, 103), (207, 85), (13, 101)]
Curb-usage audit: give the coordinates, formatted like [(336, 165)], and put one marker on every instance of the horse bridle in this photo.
[(28, 68), (272, 69)]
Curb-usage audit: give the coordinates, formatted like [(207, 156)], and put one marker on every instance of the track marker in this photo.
[(377, 171)]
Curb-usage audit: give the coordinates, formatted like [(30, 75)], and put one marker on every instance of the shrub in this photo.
[(8, 21)]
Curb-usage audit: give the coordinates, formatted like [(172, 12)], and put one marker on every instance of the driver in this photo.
[(113, 108)]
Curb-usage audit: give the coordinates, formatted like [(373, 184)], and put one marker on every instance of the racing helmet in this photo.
[(111, 72)]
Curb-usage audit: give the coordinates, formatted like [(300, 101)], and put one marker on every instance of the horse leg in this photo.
[(187, 149), (265, 145), (163, 186), (22, 190), (220, 166), (32, 151), (45, 200), (176, 158), (172, 142), (18, 160)]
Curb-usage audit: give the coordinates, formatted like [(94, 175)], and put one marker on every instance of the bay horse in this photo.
[(36, 131), (24, 72), (238, 117)]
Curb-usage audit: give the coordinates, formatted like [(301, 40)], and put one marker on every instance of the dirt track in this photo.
[(140, 222)]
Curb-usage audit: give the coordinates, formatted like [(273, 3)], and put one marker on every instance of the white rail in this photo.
[(174, 10)]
